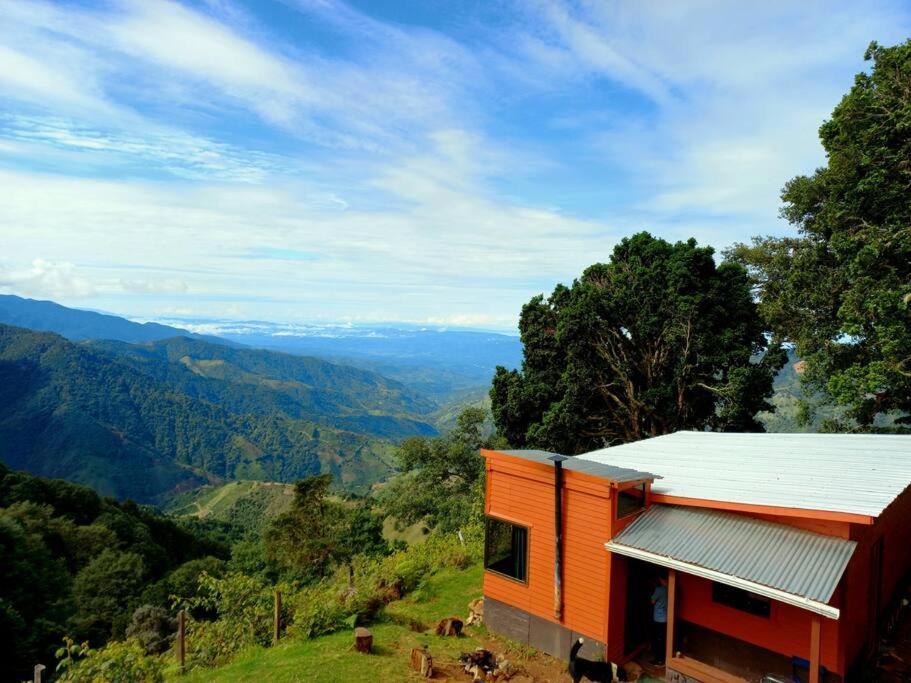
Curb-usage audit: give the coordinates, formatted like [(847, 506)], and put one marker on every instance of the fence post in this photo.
[(181, 643), (277, 617)]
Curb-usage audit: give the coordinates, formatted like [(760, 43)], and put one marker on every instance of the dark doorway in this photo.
[(641, 580)]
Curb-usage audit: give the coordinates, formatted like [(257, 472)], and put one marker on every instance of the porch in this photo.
[(746, 597)]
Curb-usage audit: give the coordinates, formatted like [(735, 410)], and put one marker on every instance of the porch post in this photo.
[(671, 610), (814, 649)]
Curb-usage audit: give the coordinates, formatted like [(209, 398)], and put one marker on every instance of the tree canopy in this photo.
[(841, 290), (658, 339), (441, 483)]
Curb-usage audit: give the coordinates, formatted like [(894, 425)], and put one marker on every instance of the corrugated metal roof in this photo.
[(577, 464), (797, 562), (853, 473)]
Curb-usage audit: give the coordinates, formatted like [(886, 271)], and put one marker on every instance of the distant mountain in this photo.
[(261, 382), (438, 362), (133, 422), (76, 325)]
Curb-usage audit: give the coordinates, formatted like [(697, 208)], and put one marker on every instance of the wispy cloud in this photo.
[(312, 160)]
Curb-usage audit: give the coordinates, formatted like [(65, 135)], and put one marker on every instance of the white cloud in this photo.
[(54, 279), (192, 158)]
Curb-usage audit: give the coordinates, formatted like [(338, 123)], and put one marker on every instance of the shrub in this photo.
[(153, 627), (116, 662), (355, 594), (244, 608)]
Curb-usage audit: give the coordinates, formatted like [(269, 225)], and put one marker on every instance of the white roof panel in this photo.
[(853, 473)]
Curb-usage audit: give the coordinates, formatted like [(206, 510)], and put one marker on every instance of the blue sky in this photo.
[(428, 161)]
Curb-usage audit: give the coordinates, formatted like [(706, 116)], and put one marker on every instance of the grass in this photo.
[(331, 659), (216, 502)]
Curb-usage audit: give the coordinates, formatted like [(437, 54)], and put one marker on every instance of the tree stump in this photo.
[(363, 640), (451, 626), (422, 662)]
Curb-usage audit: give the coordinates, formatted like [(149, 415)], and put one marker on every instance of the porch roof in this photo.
[(775, 560)]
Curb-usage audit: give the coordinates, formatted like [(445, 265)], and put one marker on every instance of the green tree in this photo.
[(841, 290), (658, 339), (441, 480), (105, 590), (318, 532)]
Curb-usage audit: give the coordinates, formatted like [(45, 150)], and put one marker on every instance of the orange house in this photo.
[(779, 551)]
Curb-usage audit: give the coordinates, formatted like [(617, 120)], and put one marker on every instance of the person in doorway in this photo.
[(659, 619)]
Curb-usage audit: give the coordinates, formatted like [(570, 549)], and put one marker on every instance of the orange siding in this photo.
[(786, 631), (858, 616), (523, 493), (594, 580)]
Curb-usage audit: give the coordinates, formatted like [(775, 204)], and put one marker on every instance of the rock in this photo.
[(475, 612)]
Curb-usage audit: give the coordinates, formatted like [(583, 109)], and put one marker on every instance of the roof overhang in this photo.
[(727, 579), (778, 561)]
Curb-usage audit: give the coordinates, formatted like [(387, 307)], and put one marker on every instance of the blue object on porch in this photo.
[(800, 662)]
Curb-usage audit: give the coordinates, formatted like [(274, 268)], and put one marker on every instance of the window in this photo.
[(630, 501), (751, 603), (506, 549)]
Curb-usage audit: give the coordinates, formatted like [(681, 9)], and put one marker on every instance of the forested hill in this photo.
[(75, 324), (267, 382), (90, 415), (76, 564)]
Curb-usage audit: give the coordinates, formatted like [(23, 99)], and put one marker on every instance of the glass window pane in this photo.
[(630, 501), (506, 549), (742, 600)]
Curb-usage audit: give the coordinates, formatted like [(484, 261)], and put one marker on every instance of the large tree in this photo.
[(442, 479), (841, 290), (658, 339)]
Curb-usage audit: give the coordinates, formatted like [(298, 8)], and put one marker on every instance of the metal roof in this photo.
[(586, 466), (853, 473), (782, 562)]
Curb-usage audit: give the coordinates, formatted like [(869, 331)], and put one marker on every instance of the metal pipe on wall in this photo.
[(558, 535)]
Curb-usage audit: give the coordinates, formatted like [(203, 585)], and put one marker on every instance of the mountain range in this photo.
[(147, 410)]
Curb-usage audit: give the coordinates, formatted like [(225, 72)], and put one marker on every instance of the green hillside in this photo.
[(248, 505), (266, 382), (78, 412)]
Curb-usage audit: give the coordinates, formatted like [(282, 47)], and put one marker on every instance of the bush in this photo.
[(356, 594), (153, 627), (244, 608), (117, 662)]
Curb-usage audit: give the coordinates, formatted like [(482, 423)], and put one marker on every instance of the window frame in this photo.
[(644, 486), (512, 523), (740, 610)]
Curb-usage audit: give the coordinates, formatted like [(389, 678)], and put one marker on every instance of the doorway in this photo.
[(642, 577)]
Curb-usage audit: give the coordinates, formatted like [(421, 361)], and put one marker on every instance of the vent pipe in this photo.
[(558, 535)]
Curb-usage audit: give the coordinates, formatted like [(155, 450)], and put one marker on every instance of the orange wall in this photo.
[(522, 492), (786, 631), (858, 614)]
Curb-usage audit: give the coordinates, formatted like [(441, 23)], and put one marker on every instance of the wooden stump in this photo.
[(422, 662), (451, 626), (363, 640)]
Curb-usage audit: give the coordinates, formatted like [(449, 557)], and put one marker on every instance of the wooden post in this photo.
[(276, 617), (814, 649), (181, 639), (671, 609), (363, 640)]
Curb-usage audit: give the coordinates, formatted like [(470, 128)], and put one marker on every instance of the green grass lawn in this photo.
[(331, 658)]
